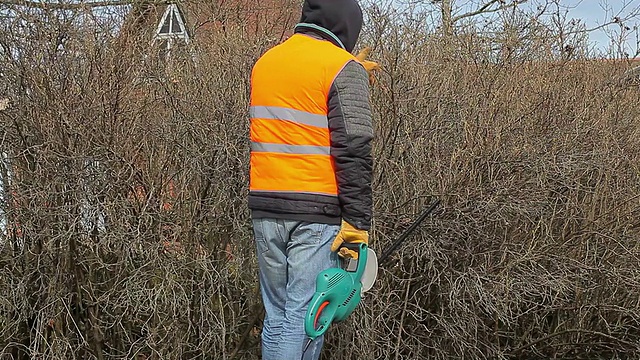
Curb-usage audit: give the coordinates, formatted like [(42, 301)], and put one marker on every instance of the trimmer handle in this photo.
[(321, 313), (349, 264)]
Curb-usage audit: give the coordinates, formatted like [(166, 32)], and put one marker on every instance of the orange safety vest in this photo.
[(290, 139)]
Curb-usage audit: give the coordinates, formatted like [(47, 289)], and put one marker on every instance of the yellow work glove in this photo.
[(349, 234), (370, 66)]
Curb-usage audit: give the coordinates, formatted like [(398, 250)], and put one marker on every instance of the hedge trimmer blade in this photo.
[(370, 271)]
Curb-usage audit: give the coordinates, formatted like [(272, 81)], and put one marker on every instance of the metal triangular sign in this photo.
[(171, 24)]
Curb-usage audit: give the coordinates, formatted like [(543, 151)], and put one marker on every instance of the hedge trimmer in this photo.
[(339, 290)]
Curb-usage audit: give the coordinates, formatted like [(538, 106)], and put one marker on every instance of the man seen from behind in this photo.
[(310, 165)]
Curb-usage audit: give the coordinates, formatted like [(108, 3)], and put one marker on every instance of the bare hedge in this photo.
[(126, 233)]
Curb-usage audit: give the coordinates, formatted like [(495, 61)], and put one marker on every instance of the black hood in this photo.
[(343, 18)]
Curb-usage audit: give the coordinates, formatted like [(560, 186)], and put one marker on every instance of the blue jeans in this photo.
[(291, 253)]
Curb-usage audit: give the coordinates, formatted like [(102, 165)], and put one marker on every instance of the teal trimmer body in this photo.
[(338, 292)]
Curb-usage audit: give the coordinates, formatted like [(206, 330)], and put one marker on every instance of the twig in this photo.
[(259, 315), (75, 6), (591, 332)]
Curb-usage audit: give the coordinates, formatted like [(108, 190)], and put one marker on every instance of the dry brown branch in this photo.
[(487, 8), (77, 5)]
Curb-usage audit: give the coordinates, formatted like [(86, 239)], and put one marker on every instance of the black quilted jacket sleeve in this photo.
[(350, 124)]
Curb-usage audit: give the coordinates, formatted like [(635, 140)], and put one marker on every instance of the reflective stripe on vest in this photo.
[(296, 116), (290, 139), (290, 149)]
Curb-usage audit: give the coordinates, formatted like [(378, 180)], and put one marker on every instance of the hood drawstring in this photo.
[(322, 30)]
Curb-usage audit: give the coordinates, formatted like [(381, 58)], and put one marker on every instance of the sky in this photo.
[(595, 13), (592, 13)]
